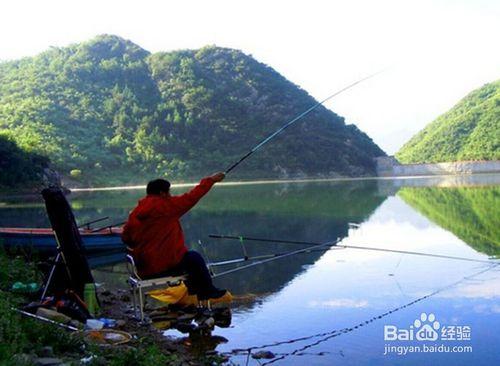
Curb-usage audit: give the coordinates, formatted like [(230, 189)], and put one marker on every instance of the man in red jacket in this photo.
[(155, 239)]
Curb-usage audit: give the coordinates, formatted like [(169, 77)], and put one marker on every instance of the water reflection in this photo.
[(312, 212), (472, 214), (320, 292), (347, 288)]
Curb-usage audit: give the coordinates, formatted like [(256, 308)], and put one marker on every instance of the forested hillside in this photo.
[(107, 111), (469, 131)]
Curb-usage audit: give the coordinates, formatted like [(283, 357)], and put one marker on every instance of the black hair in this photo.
[(157, 186)]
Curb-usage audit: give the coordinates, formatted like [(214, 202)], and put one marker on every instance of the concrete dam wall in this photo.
[(390, 167)]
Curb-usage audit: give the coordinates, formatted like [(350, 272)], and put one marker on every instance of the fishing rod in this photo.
[(88, 223), (278, 256), (295, 119), (109, 227), (264, 256), (241, 238), (47, 320), (350, 247)]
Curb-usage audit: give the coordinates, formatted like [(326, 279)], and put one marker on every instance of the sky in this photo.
[(433, 52)]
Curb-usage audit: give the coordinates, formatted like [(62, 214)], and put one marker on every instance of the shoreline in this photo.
[(286, 181), (29, 192)]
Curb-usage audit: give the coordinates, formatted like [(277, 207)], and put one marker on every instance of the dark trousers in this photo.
[(199, 281)]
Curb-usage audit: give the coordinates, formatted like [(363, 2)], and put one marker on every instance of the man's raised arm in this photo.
[(187, 200)]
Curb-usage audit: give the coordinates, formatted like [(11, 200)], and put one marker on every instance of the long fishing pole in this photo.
[(109, 227), (287, 254), (216, 236), (88, 223), (350, 247), (264, 256), (295, 119)]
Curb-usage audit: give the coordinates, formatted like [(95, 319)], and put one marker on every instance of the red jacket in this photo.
[(153, 232)]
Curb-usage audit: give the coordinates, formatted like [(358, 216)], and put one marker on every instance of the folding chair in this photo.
[(137, 285)]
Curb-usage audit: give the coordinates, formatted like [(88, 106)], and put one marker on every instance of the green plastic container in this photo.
[(90, 298)]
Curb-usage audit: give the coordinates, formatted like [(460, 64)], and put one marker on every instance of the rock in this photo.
[(47, 361), (47, 351), (263, 354), (210, 322)]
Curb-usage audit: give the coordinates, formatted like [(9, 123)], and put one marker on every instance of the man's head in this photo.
[(158, 187)]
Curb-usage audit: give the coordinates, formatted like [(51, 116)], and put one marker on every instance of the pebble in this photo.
[(210, 322), (263, 354)]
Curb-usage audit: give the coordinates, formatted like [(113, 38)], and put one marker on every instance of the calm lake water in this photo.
[(332, 306)]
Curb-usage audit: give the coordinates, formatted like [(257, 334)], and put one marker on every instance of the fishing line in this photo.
[(217, 236), (337, 332), (295, 119), (264, 256), (209, 264), (354, 247), (277, 256)]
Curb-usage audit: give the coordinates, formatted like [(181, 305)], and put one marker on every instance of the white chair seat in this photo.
[(137, 285)]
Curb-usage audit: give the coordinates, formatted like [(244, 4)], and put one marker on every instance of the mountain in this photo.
[(469, 131), (106, 111), (19, 168)]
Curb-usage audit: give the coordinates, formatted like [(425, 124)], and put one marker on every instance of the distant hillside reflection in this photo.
[(318, 212), (470, 213)]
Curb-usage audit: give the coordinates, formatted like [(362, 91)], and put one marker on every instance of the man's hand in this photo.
[(218, 177)]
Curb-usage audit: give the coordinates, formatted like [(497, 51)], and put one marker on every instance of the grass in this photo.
[(23, 336), (18, 334)]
